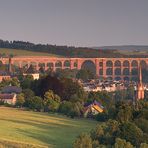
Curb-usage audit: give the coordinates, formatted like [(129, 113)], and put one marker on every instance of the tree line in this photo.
[(66, 51)]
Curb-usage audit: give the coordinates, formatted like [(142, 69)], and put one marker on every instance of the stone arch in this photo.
[(89, 65), (33, 64), (41, 64), (134, 71), (118, 71), (109, 63), (126, 71), (126, 63), (67, 63), (134, 63), (117, 63), (117, 78), (50, 65), (58, 64), (109, 71), (143, 64), (126, 79)]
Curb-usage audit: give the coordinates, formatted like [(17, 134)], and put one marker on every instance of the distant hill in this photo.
[(124, 47), (21, 52), (70, 51)]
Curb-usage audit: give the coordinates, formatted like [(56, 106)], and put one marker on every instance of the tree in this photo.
[(130, 92), (85, 74), (83, 141), (28, 95), (66, 73), (121, 143), (143, 145), (20, 100), (71, 109), (36, 103), (130, 132), (15, 82), (26, 82), (51, 101), (123, 111)]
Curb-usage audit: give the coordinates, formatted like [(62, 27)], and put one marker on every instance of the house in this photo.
[(93, 109), (4, 77), (11, 89), (8, 98), (35, 76)]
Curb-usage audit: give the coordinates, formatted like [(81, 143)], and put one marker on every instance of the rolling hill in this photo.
[(21, 52), (35, 129)]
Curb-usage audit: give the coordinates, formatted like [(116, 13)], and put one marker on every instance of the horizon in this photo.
[(74, 46), (75, 23)]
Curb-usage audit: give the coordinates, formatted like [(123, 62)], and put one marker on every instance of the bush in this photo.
[(83, 141)]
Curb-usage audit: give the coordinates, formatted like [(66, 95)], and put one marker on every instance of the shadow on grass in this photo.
[(47, 133)]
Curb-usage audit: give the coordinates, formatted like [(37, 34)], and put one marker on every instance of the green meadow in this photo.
[(20, 128), (21, 52)]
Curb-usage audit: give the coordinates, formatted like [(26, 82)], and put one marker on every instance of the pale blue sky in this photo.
[(75, 22)]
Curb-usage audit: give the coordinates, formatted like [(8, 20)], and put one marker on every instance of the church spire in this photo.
[(140, 74), (140, 88)]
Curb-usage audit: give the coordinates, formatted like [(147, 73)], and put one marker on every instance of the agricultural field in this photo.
[(21, 52), (132, 52), (33, 129)]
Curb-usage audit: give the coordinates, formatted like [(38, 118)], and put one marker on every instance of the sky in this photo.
[(75, 22)]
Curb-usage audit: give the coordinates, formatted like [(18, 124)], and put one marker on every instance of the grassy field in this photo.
[(51, 130), (20, 52), (133, 52)]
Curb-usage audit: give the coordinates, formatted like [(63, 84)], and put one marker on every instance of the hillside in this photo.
[(125, 47), (49, 130), (79, 52), (21, 52), (66, 51)]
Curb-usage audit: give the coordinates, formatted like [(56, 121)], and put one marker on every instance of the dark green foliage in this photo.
[(121, 143), (28, 95), (142, 124), (51, 101), (65, 88), (85, 74), (20, 100), (131, 132), (26, 82), (36, 103), (83, 141), (71, 109), (66, 73), (59, 50)]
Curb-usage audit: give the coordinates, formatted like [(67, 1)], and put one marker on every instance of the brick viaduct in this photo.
[(111, 68)]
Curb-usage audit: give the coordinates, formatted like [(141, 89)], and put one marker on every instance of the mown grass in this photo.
[(51, 130), (21, 52)]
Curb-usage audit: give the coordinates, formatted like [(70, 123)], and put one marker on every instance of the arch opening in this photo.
[(117, 63), (109, 63), (89, 65), (118, 71), (126, 63), (109, 71)]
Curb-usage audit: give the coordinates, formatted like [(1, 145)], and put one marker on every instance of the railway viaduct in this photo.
[(109, 68)]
